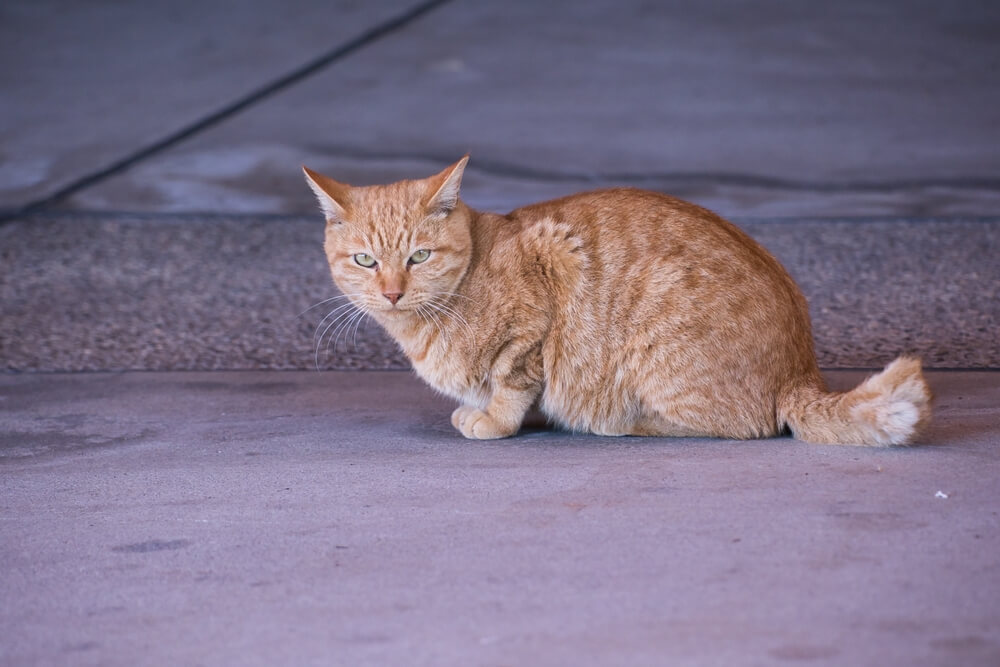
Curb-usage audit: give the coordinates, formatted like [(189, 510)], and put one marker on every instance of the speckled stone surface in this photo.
[(125, 292)]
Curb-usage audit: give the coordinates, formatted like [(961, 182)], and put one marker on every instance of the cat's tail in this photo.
[(888, 408)]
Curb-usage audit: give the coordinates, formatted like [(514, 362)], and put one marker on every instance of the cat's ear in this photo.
[(442, 189), (332, 196)]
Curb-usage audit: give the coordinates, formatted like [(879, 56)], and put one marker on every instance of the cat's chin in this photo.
[(395, 311)]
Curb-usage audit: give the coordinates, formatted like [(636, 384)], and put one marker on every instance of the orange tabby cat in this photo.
[(620, 312)]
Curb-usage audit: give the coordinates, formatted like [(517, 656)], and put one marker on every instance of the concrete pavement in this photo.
[(309, 518)]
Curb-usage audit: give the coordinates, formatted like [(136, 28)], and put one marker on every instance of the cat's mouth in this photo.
[(406, 309), (406, 304), (396, 308)]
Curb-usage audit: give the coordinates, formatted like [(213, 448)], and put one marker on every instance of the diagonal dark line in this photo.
[(254, 96)]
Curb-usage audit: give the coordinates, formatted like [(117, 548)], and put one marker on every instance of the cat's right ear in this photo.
[(332, 196)]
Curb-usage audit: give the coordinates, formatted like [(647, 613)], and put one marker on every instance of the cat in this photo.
[(616, 312)]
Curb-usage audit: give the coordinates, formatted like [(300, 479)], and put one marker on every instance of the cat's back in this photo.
[(649, 294), (620, 227), (628, 255), (606, 205)]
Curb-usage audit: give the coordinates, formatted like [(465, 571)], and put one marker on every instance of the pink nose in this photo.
[(393, 296)]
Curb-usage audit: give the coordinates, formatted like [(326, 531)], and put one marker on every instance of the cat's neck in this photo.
[(415, 331)]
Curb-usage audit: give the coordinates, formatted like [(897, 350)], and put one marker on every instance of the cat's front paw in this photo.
[(478, 425)]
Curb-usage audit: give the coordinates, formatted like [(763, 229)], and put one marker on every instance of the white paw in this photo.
[(478, 425)]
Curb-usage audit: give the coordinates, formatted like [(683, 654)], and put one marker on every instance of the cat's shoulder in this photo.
[(607, 199), (602, 198), (597, 218)]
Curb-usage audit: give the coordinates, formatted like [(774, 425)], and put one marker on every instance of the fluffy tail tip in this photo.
[(894, 404)]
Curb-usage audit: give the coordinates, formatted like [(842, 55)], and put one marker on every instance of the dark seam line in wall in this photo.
[(644, 179), (296, 75)]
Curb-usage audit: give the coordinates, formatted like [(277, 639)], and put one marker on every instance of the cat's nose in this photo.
[(393, 296)]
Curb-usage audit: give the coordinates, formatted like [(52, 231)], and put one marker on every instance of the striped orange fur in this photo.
[(618, 312)]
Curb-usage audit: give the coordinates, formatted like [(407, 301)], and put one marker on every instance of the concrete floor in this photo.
[(265, 517)]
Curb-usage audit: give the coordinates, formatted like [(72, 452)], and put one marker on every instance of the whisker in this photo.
[(441, 327), (338, 309), (440, 303), (434, 320), (332, 298), (341, 324), (440, 307), (460, 296), (420, 311), (342, 329), (454, 314), (319, 342), (357, 325)]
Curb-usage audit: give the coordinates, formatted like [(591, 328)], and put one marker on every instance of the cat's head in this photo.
[(396, 247)]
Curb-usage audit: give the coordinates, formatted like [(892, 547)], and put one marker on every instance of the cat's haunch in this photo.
[(618, 312)]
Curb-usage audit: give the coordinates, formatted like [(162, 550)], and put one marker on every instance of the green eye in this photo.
[(419, 256), (364, 260)]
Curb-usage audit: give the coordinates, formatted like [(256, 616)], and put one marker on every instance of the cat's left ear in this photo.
[(333, 196), (443, 189)]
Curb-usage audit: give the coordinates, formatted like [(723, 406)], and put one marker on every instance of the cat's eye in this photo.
[(365, 260), (419, 256)]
